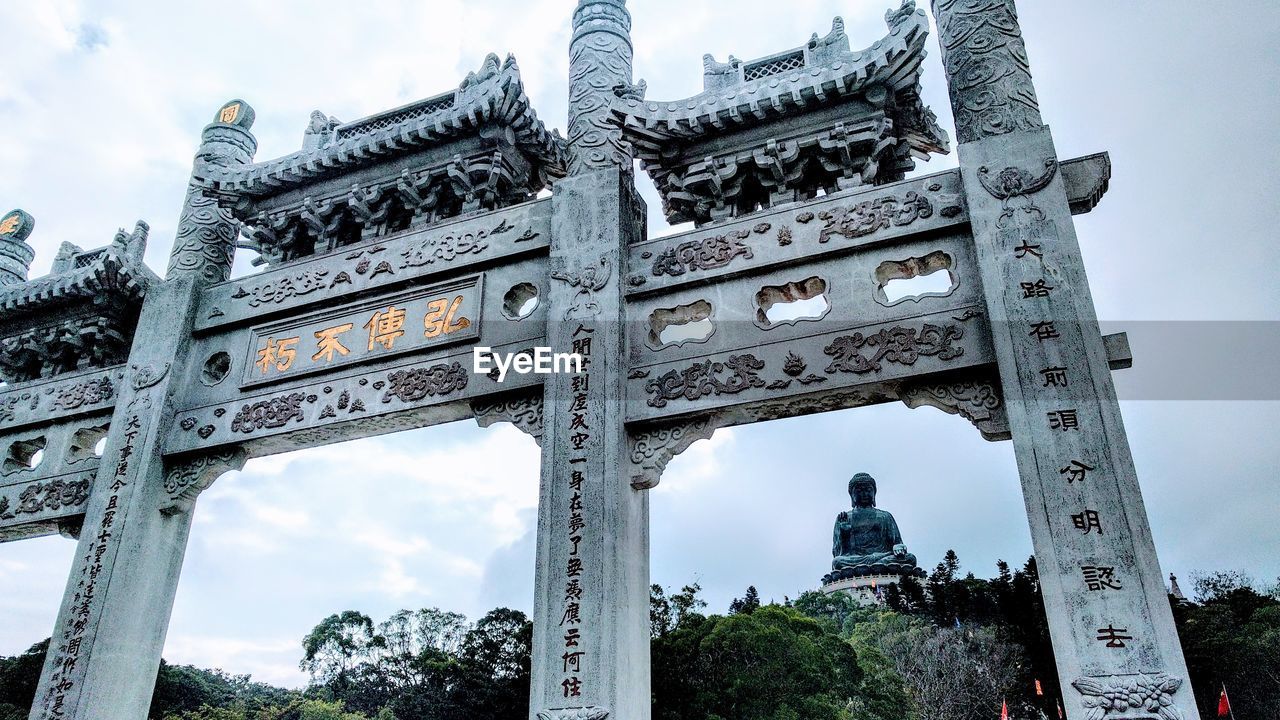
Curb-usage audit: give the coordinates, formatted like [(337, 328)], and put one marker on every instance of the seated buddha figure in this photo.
[(866, 540)]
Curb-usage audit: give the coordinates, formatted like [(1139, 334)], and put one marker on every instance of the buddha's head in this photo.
[(862, 490)]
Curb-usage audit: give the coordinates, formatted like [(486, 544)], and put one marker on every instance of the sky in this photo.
[(101, 106)]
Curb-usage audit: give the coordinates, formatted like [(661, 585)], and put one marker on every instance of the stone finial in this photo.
[(237, 113), (319, 130), (599, 61), (227, 140), (133, 245), (15, 254), (65, 260), (987, 68), (1174, 590)]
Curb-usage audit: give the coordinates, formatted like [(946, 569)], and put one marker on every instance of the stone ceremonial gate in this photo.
[(397, 244)]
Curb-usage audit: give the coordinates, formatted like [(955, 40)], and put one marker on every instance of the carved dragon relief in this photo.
[(523, 410), (184, 481), (651, 448)]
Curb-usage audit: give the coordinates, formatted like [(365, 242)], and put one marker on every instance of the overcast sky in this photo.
[(101, 106)]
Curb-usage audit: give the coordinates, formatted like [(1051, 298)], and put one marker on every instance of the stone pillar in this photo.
[(591, 594), (1109, 617), (15, 254), (106, 646), (599, 62)]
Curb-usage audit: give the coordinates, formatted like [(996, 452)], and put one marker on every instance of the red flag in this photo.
[(1224, 705), (1061, 715), (1004, 709)]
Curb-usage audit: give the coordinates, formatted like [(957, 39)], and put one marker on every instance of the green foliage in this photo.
[(183, 688), (294, 710), (769, 664), (746, 604), (947, 649), (19, 676), (427, 664), (333, 647), (949, 673), (1232, 638), (665, 613)]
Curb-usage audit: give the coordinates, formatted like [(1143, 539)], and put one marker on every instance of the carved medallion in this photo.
[(589, 279), (273, 413), (1015, 184), (89, 392), (705, 254), (147, 375), (871, 216)]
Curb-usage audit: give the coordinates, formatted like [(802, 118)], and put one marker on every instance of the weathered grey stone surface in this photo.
[(106, 645), (1108, 612), (591, 617)]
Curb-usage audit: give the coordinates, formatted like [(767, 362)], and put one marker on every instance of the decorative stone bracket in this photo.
[(652, 447), (185, 480), (522, 409), (978, 400)]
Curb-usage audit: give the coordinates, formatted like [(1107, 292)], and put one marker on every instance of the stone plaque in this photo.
[(371, 330)]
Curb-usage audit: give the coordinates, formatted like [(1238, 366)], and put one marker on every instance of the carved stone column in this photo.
[(591, 602), (105, 649), (1113, 635), (591, 585), (599, 62)]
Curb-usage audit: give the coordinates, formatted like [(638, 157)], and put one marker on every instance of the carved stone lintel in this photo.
[(1129, 696), (977, 400), (582, 713), (184, 481), (651, 448), (522, 409)]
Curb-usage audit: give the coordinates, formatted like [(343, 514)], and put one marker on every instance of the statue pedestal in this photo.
[(862, 587)]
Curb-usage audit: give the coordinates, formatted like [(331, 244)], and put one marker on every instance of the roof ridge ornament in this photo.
[(863, 123)]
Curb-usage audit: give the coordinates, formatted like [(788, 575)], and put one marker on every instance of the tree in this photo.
[(496, 660), (337, 645), (746, 604), (1231, 637), (950, 674), (665, 613), (181, 688), (19, 676), (773, 662)]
